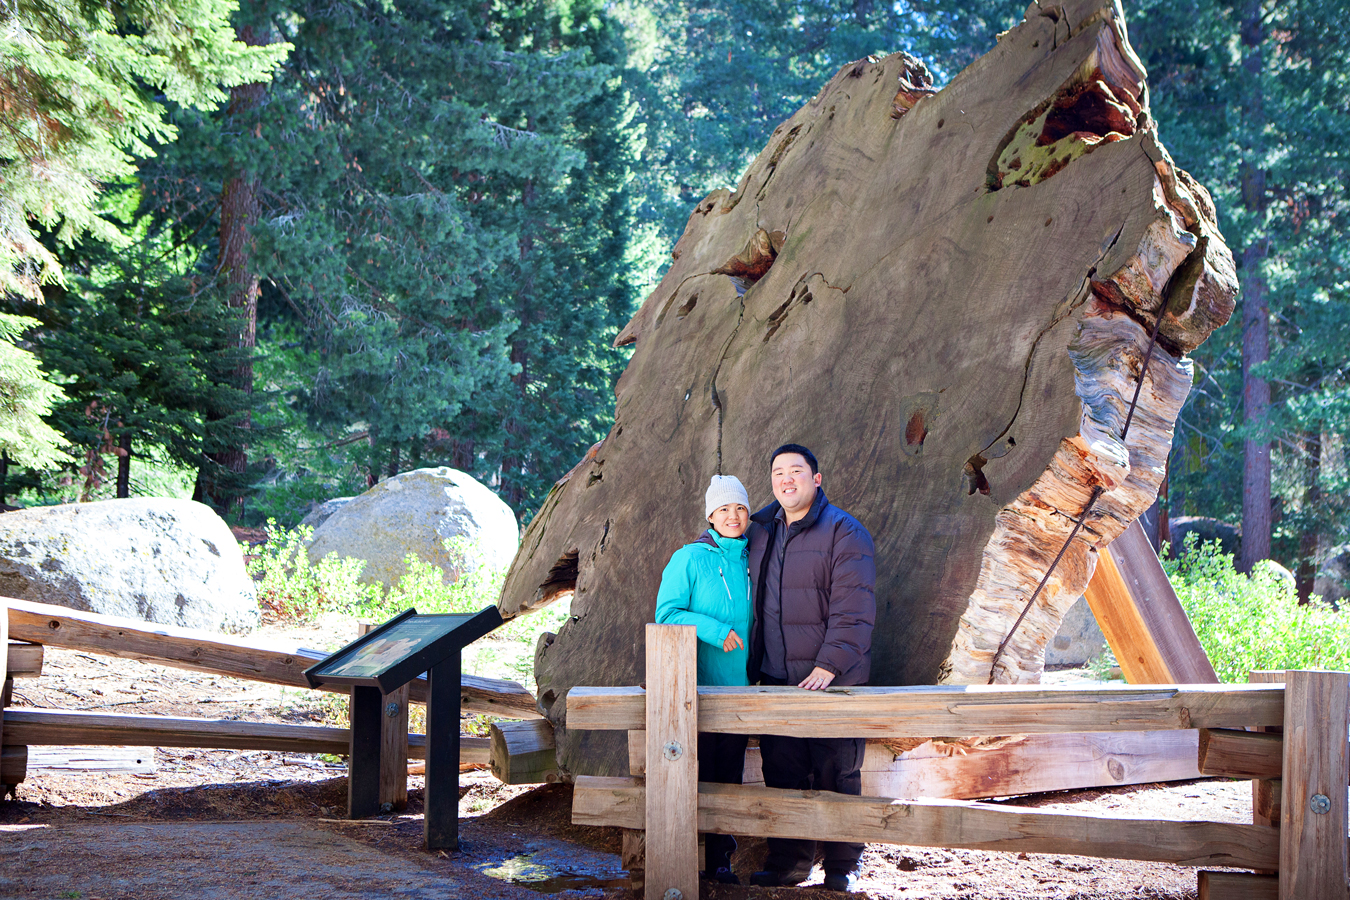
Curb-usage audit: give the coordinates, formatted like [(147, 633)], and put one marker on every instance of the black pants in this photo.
[(721, 760), (820, 764)]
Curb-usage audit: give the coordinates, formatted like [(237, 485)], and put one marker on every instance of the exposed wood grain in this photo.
[(1236, 886), (122, 760), (185, 648), (393, 788), (951, 312), (671, 814), (1266, 793), (632, 856), (953, 711), (1143, 621), (768, 812), (13, 765), (61, 727), (1030, 764), (1240, 754), (25, 660), (1313, 814), (523, 752)]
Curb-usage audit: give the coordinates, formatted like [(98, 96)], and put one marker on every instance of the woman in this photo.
[(706, 584)]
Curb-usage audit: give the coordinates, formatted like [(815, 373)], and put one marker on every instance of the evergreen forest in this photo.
[(266, 254)]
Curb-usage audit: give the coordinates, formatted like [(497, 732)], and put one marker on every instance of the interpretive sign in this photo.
[(382, 661)]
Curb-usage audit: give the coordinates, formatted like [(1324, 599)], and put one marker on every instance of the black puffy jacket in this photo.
[(828, 593)]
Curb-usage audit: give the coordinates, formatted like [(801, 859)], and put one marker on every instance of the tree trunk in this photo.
[(1309, 541), (238, 214), (1164, 507), (949, 298), (1255, 313), (124, 467)]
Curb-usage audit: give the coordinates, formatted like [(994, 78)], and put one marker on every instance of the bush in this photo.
[(1248, 622), (292, 589)]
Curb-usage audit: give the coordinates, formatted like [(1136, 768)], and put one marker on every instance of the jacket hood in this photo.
[(766, 515)]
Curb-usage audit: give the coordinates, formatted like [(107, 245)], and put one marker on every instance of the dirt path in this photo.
[(209, 825)]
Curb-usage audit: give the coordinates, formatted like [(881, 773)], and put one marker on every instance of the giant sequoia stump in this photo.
[(949, 298)]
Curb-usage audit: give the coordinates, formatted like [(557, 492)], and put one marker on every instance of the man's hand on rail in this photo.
[(818, 679)]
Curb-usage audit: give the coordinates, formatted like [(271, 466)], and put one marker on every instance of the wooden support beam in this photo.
[(1240, 754), (768, 812), (952, 710), (523, 752), (13, 766), (1313, 818), (67, 727), (1141, 617), (393, 786), (671, 804), (25, 660), (1266, 792), (185, 648), (120, 760), (6, 680), (1236, 886)]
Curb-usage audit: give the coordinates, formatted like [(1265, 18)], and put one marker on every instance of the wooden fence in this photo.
[(1300, 794)]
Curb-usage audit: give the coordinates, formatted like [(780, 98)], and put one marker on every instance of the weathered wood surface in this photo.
[(768, 812), (953, 711), (951, 308), (61, 727), (13, 765), (1236, 886), (185, 648), (119, 760), (1006, 766), (523, 752), (393, 789), (1240, 754), (1313, 812), (1266, 792), (671, 720), (25, 660), (1141, 617)]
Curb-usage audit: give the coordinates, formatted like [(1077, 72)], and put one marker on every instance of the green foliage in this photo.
[(292, 589), (1251, 622), (25, 398), (81, 92)]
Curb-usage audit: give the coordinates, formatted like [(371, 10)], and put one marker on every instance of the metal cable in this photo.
[(1082, 517)]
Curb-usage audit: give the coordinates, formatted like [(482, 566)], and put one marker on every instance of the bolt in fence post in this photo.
[(1313, 815), (672, 763)]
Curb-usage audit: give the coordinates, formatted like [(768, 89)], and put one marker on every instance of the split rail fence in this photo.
[(1296, 849)]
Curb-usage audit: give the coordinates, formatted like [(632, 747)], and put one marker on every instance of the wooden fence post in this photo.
[(393, 788), (1313, 816), (671, 862)]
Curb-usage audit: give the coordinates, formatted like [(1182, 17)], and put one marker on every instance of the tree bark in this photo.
[(238, 214), (1256, 494), (1309, 541), (949, 297), (124, 467)]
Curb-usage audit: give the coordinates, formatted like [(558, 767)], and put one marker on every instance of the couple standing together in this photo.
[(783, 597)]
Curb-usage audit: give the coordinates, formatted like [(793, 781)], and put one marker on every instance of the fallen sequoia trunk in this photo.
[(948, 296)]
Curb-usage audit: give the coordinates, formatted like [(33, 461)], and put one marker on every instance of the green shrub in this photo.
[(292, 589), (1248, 622)]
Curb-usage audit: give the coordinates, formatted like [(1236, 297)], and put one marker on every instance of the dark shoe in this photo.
[(773, 878), (837, 882), (723, 875)]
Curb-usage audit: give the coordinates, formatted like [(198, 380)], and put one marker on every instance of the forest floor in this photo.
[(217, 824)]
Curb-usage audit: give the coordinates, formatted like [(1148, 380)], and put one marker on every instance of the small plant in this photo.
[(1252, 622), (292, 589)]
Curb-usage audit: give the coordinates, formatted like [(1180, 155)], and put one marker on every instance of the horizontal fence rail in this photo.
[(949, 711), (771, 812)]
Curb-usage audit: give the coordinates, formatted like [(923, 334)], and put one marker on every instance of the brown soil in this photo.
[(244, 824)]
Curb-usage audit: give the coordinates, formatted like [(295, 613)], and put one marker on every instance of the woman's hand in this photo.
[(818, 680), (733, 642)]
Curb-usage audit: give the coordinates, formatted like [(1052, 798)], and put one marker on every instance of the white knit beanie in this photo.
[(724, 489)]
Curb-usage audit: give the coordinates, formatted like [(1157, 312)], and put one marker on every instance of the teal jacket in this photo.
[(707, 584)]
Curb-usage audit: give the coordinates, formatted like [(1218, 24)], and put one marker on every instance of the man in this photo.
[(815, 604)]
